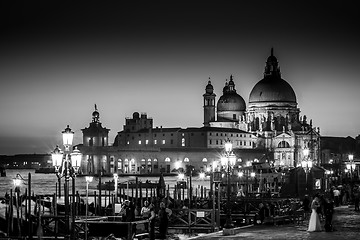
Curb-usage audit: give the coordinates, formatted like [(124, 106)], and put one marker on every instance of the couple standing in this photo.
[(327, 210), (314, 223)]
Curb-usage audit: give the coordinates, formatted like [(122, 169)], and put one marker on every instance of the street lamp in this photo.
[(306, 165), (67, 165), (116, 176), (88, 179), (228, 161), (351, 165)]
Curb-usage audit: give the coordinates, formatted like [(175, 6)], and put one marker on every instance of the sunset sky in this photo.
[(59, 59)]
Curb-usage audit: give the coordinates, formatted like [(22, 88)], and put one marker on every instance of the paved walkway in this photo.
[(346, 223)]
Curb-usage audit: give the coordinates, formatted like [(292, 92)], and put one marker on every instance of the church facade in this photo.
[(270, 130)]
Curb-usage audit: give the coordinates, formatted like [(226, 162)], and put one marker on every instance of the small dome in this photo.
[(136, 115), (231, 102)]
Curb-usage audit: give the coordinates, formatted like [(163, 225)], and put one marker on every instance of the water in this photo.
[(46, 183)]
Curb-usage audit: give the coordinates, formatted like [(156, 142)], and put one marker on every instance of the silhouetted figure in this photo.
[(127, 212), (328, 212), (263, 212), (164, 214), (306, 205)]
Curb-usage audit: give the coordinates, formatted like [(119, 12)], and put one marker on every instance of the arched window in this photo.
[(167, 159), (186, 160), (283, 144)]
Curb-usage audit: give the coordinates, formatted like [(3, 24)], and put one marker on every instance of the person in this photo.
[(356, 198), (328, 212), (145, 213), (314, 222), (164, 214), (320, 208), (336, 193), (151, 222), (126, 212), (306, 206), (262, 212)]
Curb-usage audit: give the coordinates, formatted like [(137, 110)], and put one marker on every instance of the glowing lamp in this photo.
[(306, 152), (76, 159), (232, 160), (68, 136), (89, 179), (224, 161), (181, 176), (17, 182), (57, 157), (228, 146), (177, 164)]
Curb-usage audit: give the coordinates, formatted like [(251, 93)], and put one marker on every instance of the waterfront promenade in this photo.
[(346, 224)]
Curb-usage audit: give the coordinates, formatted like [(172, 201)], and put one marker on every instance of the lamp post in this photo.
[(116, 176), (88, 179), (228, 161), (351, 165), (66, 166), (306, 165), (17, 182)]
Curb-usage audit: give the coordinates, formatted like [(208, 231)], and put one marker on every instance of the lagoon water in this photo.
[(46, 183)]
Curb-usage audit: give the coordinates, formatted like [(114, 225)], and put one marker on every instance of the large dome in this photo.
[(272, 89)]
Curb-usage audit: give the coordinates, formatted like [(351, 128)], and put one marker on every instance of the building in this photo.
[(270, 129)]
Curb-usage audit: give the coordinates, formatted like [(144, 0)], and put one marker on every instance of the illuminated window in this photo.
[(163, 141), (183, 142), (283, 144), (204, 160), (167, 159), (139, 142), (143, 160), (146, 142), (155, 141), (186, 160), (128, 143)]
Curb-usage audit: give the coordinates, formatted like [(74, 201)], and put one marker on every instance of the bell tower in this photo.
[(209, 104)]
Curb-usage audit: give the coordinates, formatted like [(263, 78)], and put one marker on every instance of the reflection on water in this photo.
[(46, 183)]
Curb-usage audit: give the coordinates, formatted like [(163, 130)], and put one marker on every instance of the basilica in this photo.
[(268, 129)]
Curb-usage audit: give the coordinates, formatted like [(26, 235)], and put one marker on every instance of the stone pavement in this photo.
[(346, 223)]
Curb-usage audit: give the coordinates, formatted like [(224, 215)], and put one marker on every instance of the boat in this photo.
[(45, 170), (110, 185)]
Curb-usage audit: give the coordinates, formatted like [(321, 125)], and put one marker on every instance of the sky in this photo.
[(58, 59)]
